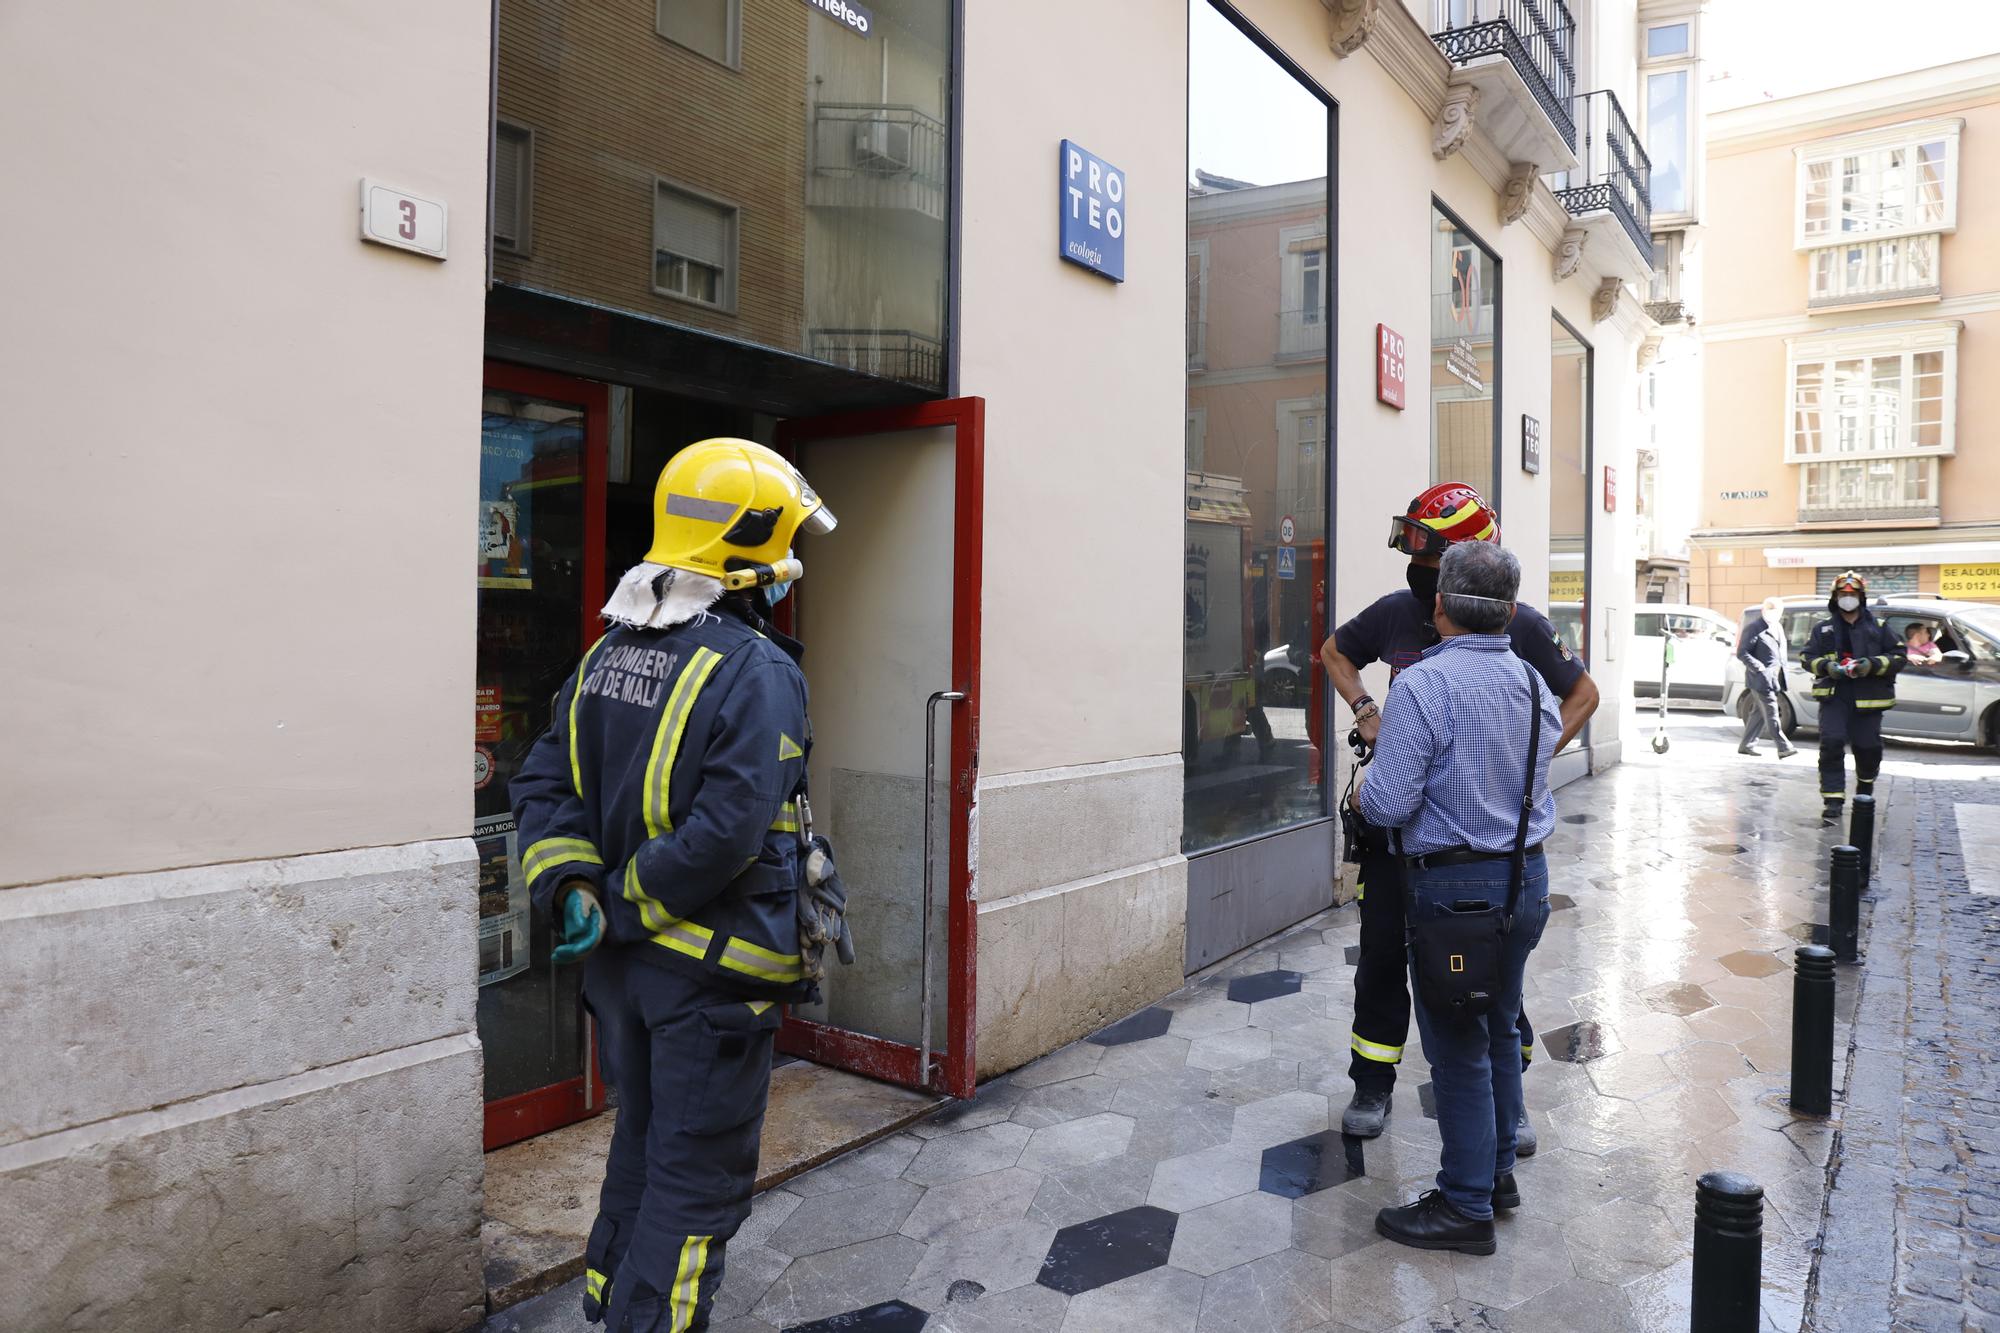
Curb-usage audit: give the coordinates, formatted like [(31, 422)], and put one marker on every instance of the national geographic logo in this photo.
[(849, 15)]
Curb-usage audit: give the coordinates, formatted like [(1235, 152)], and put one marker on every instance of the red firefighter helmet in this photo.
[(1446, 514)]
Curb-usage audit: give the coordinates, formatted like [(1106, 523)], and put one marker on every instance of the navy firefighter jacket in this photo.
[(666, 780), (1834, 641)]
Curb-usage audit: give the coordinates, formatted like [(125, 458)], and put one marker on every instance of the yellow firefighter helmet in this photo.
[(729, 509)]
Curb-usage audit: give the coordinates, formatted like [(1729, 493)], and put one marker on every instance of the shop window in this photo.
[(1566, 460), (694, 248), (1465, 335), (1259, 279), (513, 188), (713, 28)]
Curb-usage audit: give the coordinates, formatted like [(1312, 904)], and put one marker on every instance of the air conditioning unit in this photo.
[(882, 145)]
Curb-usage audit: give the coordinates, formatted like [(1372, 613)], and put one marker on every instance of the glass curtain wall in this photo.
[(1566, 458), (750, 168), (1465, 358), (1259, 310)]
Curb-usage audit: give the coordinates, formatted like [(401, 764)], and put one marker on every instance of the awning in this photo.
[(1914, 553)]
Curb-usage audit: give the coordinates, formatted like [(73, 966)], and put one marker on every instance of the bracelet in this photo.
[(1366, 711), (1362, 702)]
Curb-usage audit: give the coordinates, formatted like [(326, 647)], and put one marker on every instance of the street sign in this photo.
[(1288, 562), (1286, 530), (1531, 444), (1610, 490), (1390, 369)]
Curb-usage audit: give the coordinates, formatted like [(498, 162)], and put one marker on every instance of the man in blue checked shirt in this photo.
[(1451, 763)]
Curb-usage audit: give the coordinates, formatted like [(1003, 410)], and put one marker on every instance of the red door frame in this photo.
[(539, 1110), (953, 1068)]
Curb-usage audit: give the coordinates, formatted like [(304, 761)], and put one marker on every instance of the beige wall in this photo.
[(1083, 520), (234, 428)]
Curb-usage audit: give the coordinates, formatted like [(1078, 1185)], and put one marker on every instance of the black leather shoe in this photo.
[(1746, 749), (1364, 1115), (1506, 1194), (1431, 1223), (1831, 813)]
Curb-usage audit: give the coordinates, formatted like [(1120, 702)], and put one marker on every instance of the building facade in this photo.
[(1114, 385), (1850, 302)]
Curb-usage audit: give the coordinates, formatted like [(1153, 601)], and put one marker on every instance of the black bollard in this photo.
[(1812, 1031), (1861, 833), (1843, 913), (1728, 1253)]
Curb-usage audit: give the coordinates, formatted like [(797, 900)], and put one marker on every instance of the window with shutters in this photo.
[(694, 247), (513, 174), (713, 28)]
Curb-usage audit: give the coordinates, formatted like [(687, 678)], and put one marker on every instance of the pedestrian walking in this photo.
[(1462, 775), (661, 820), (1761, 650), (1853, 663), (1397, 629)]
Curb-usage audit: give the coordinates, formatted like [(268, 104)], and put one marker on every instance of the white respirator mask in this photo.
[(1849, 603)]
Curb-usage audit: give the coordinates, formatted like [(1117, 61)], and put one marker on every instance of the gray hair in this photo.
[(1479, 581)]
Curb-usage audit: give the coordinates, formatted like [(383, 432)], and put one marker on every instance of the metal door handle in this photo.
[(924, 946)]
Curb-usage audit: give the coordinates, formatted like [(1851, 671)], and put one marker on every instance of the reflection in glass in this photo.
[(758, 171), (530, 619), (1259, 306), (1464, 335), (1566, 458), (1667, 139)]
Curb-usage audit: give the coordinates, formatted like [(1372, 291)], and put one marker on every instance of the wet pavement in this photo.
[(1183, 1170)]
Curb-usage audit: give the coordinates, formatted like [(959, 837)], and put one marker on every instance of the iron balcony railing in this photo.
[(1302, 334), (882, 156), (892, 354), (1616, 174), (1536, 36)]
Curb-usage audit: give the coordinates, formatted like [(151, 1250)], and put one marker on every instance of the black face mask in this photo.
[(1423, 583)]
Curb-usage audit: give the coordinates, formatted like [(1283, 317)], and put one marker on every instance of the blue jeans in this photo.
[(1476, 1066)]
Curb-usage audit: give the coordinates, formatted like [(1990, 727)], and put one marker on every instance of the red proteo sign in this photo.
[(1389, 367), (1610, 490)]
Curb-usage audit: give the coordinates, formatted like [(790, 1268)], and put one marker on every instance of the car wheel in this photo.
[(1788, 717), (1281, 689)]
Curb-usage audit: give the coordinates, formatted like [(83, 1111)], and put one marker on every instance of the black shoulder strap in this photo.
[(1519, 864)]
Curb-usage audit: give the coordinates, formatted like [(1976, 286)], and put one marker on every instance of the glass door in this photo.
[(541, 579), (889, 614)]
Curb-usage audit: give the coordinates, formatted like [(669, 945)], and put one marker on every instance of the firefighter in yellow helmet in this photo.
[(660, 821)]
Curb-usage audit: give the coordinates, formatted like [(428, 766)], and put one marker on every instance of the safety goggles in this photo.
[(1411, 537), (821, 520)]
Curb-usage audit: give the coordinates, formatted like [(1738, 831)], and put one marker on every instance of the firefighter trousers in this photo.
[(1843, 726), (1382, 978), (692, 1068)]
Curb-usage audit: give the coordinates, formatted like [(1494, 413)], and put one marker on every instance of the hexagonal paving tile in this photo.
[(1311, 1164), (1722, 848), (1750, 963), (1679, 1000), (847, 1217), (1580, 1041), (1427, 1098), (1204, 1177), (1232, 1232), (1105, 1249), (1354, 950), (1558, 902), (887, 1317), (1265, 986), (1077, 1142), (1143, 1026), (1229, 1050)]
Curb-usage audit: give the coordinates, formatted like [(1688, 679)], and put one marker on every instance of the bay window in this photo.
[(1870, 209), (1868, 417)]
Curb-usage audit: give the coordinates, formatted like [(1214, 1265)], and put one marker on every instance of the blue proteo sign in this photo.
[(1288, 562), (1093, 213)]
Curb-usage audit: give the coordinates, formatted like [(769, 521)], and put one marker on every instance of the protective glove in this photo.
[(822, 910), (579, 923), (1854, 668)]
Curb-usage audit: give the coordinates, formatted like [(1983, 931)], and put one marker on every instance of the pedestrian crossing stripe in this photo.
[(788, 748)]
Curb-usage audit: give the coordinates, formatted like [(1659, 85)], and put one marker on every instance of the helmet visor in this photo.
[(1410, 537), (819, 522)]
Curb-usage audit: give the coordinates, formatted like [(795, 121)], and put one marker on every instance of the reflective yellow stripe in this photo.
[(576, 689), (1361, 890), (1874, 703), (687, 1284), (556, 851), (667, 740), (758, 1007), (593, 1284), (1372, 1050), (1825, 795), (751, 960), (672, 932), (787, 820)]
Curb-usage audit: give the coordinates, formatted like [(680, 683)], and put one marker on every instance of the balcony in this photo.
[(878, 156), (1517, 55), (1302, 334), (891, 354), (1893, 492), (1608, 194), (1889, 272)]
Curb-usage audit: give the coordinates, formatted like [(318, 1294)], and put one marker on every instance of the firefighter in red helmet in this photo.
[(1395, 630)]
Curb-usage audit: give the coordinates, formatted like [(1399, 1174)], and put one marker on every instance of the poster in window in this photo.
[(503, 902), (506, 455)]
